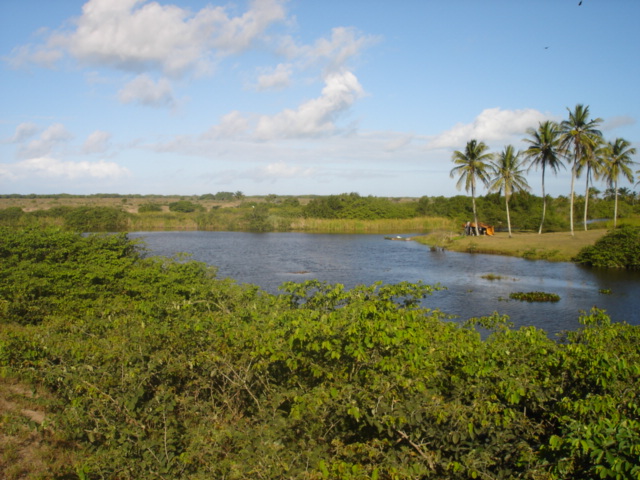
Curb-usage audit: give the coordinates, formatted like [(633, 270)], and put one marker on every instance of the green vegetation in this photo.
[(620, 248), (535, 296), (353, 206), (146, 368), (352, 214), (185, 206)]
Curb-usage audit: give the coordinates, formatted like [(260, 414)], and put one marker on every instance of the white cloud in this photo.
[(237, 34), (47, 167), (143, 90), (493, 124), (49, 139), (317, 116), (97, 142), (230, 126), (282, 170), (343, 44), (23, 132), (138, 36), (276, 79)]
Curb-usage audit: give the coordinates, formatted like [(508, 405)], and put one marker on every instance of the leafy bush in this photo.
[(149, 207), (185, 206), (158, 369), (354, 206), (95, 219), (10, 215), (619, 248)]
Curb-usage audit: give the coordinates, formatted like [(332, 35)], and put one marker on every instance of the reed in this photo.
[(380, 226)]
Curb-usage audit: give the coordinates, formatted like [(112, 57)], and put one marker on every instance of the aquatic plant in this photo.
[(534, 296)]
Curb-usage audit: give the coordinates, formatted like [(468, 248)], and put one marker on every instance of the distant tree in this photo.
[(472, 164), (592, 165), (508, 177), (579, 138), (617, 162), (185, 206), (149, 207), (544, 151), (239, 195)]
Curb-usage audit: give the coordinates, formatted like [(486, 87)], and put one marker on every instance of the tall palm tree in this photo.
[(579, 138), (471, 165), (592, 163), (508, 174), (617, 156), (544, 151)]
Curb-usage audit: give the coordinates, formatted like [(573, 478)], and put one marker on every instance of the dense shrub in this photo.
[(619, 248), (95, 219), (157, 369), (354, 206), (185, 206), (149, 207)]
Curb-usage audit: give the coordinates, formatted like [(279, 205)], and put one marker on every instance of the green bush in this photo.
[(95, 219), (149, 207), (185, 206), (155, 368), (619, 248)]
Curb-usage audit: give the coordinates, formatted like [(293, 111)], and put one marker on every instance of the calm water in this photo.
[(270, 259)]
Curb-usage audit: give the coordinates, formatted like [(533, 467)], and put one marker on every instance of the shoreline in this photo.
[(553, 246)]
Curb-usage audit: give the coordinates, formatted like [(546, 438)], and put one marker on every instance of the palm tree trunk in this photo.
[(573, 178), (544, 202), (586, 200), (506, 202), (473, 201), (615, 207)]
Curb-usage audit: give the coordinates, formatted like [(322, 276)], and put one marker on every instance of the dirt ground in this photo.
[(28, 447)]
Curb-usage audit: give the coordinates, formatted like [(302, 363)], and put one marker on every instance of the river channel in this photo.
[(269, 259)]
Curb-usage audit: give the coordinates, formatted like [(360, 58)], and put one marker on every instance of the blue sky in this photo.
[(300, 96)]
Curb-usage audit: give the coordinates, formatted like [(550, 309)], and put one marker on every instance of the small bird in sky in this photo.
[(580, 3)]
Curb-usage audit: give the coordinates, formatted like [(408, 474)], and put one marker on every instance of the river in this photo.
[(269, 259)]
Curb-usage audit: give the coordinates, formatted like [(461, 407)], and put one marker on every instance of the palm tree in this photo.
[(544, 151), (579, 139), (592, 163), (471, 165), (508, 176), (617, 156)]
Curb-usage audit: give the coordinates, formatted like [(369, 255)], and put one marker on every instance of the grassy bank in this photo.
[(557, 246)]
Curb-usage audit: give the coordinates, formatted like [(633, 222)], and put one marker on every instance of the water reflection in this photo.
[(268, 260)]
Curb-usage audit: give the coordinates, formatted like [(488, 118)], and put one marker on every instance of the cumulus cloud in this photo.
[(145, 91), (47, 167), (276, 79), (237, 34), (138, 36), (493, 124), (317, 116), (23, 132), (282, 170), (343, 44), (97, 142), (231, 125), (49, 139)]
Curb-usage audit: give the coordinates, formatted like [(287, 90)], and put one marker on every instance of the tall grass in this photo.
[(381, 226)]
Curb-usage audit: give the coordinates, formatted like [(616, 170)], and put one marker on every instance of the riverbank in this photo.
[(556, 246)]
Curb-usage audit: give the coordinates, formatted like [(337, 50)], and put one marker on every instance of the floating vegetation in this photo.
[(605, 291), (492, 276), (534, 296)]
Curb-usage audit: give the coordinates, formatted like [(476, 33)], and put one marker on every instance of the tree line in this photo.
[(575, 142)]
